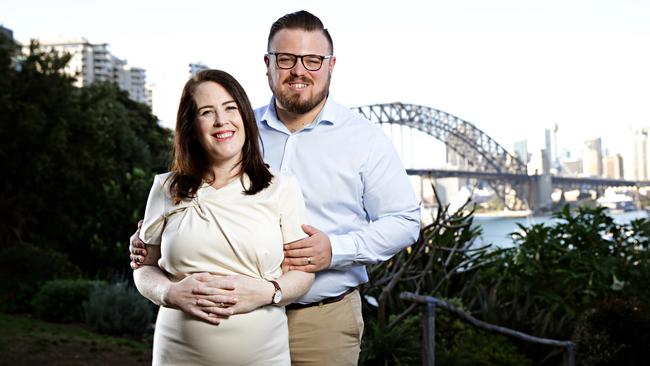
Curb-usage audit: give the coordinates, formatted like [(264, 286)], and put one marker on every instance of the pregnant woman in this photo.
[(221, 211)]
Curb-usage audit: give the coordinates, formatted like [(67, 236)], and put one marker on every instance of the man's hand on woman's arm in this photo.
[(311, 254), (137, 249)]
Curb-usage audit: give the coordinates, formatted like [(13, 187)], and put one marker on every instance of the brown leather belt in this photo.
[(329, 300)]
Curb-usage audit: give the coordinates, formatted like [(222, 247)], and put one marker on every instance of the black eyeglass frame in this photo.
[(295, 60)]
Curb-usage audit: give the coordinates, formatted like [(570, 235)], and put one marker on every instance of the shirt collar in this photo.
[(326, 116)]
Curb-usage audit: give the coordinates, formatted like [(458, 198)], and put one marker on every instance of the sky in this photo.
[(511, 67)]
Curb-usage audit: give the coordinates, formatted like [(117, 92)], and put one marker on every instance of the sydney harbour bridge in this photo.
[(482, 158)]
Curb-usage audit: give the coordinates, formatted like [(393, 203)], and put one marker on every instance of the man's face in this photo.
[(297, 89)]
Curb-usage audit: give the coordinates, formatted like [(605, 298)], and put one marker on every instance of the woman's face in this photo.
[(219, 124)]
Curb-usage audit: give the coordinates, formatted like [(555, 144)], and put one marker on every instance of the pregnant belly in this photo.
[(259, 337)]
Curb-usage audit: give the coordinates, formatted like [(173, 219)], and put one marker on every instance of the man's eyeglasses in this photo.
[(288, 60)]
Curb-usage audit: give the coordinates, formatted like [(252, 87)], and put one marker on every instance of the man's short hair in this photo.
[(299, 20)]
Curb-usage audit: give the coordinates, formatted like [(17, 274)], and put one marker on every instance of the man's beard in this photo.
[(293, 104)]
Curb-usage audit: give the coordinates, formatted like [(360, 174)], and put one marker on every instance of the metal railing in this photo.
[(429, 329)]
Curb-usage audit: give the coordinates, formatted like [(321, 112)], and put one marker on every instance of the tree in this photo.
[(78, 162)]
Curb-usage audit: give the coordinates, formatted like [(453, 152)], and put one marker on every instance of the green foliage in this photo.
[(444, 262), (554, 273), (397, 345), (539, 286), (118, 309), (61, 300), (23, 268), (461, 344), (77, 162), (457, 343), (614, 332)]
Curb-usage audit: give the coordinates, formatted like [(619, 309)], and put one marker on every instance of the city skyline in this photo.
[(593, 161), (512, 68)]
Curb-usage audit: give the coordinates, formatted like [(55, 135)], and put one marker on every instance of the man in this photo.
[(359, 200)]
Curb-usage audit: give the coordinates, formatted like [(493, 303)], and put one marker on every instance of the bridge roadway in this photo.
[(573, 182)]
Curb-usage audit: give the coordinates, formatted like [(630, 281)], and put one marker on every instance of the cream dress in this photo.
[(224, 232)]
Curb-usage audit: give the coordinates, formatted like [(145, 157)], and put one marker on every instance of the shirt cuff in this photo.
[(344, 251)]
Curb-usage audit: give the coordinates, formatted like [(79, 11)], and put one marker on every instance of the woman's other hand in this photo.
[(188, 295), (249, 294)]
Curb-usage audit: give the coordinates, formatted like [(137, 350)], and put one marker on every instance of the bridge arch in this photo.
[(482, 152)]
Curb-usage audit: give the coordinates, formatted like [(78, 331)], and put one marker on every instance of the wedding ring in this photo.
[(222, 305), (308, 260)]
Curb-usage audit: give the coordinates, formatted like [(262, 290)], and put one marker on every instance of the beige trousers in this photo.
[(327, 334)]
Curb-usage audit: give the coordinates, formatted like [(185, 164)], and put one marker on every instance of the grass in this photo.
[(27, 341)]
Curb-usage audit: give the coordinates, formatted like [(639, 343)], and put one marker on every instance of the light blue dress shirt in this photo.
[(355, 187)]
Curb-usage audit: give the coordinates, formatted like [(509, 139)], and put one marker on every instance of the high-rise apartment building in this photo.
[(613, 166), (90, 63), (149, 90), (592, 158), (641, 151), (7, 32), (133, 80)]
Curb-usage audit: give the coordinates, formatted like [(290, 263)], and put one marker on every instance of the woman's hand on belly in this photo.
[(186, 295), (249, 294)]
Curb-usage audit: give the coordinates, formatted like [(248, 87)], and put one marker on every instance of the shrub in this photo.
[(554, 273), (118, 309), (470, 346), (461, 344), (614, 332), (23, 268), (61, 300), (398, 345), (457, 343)]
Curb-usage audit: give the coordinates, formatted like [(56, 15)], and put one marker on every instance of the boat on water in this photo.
[(505, 214), (617, 203)]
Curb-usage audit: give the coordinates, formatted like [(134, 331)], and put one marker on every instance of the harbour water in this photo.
[(497, 229)]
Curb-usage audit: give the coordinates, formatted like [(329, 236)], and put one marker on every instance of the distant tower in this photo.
[(641, 154), (613, 166), (196, 67), (541, 168), (592, 158), (554, 157), (548, 146)]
